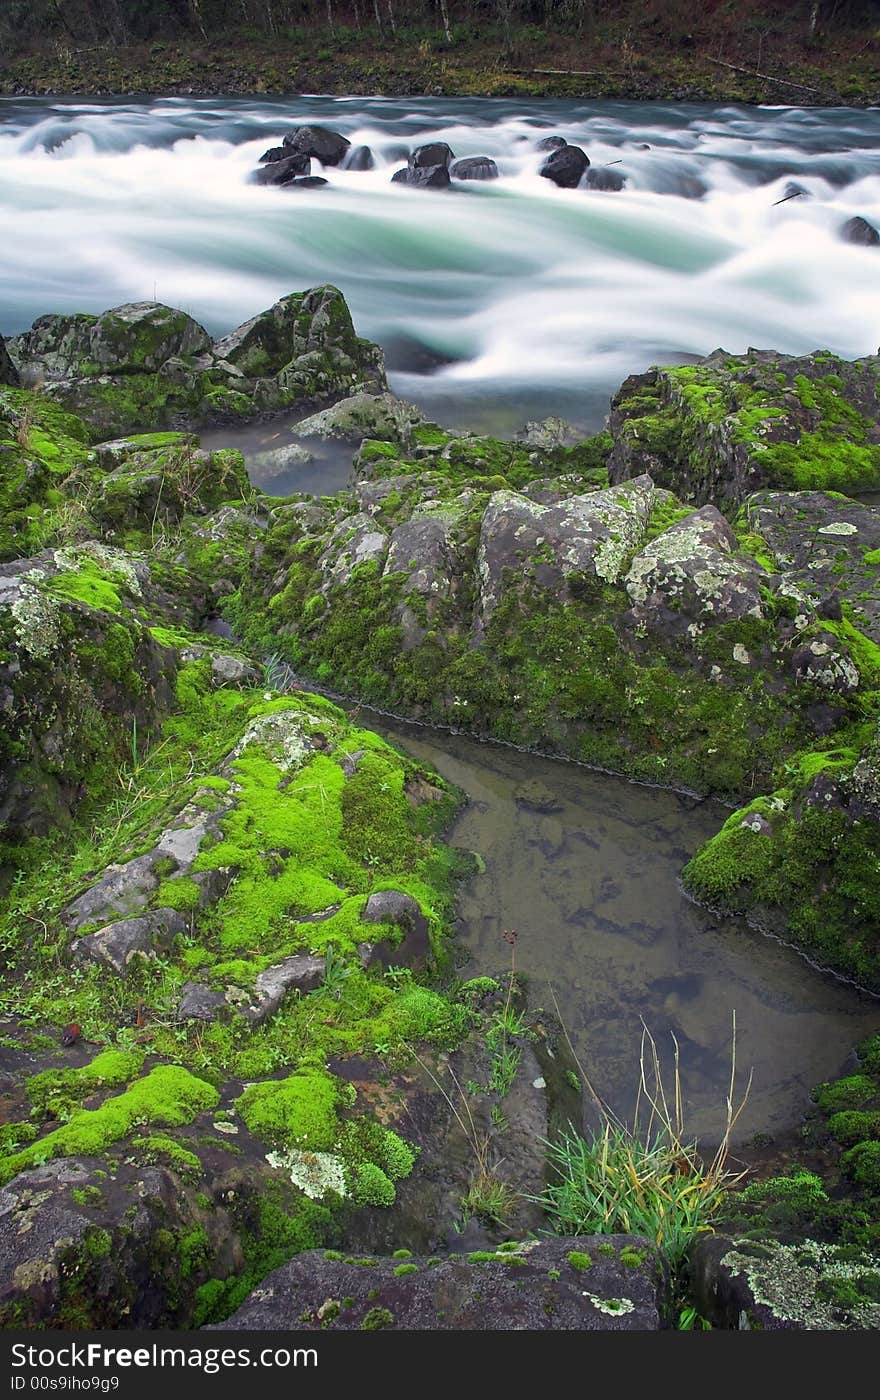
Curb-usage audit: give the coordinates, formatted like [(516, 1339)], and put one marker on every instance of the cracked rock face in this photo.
[(590, 534), (690, 571)]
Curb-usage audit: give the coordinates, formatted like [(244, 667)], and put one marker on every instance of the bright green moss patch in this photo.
[(300, 1111), (403, 1269), (158, 1147), (579, 1259), (853, 1092), (168, 1096), (55, 1092)]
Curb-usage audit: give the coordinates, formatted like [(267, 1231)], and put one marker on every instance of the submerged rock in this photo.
[(377, 416), (859, 231), (474, 168), (359, 158)]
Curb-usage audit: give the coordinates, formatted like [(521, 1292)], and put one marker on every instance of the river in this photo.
[(495, 302)]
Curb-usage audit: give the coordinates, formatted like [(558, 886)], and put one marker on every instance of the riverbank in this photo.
[(537, 64)]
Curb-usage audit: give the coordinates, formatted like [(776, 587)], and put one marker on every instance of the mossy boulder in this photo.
[(772, 1286), (724, 427), (79, 673), (146, 366), (530, 1284)]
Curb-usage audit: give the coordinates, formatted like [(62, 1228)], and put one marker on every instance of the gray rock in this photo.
[(116, 945), (231, 670), (690, 573), (770, 1286), (302, 972), (380, 416), (859, 231), (824, 661), (356, 540), (329, 147), (548, 434), (565, 166), (530, 1286), (587, 534), (8, 372), (122, 890), (283, 171), (402, 911), (200, 1003)]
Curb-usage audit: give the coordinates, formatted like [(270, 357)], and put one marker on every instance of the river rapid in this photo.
[(494, 301)]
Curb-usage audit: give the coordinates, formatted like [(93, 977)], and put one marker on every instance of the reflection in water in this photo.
[(585, 868), (282, 464)]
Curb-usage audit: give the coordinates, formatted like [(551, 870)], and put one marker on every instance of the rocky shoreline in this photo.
[(228, 910)]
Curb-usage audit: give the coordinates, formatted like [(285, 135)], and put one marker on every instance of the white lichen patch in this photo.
[(798, 1283), (315, 1173), (35, 620), (838, 527), (281, 735), (612, 1306), (114, 562), (741, 655)]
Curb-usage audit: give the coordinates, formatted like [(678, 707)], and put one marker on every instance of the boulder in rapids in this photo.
[(283, 171), (474, 168), (565, 166), (859, 231), (359, 158), (329, 147)]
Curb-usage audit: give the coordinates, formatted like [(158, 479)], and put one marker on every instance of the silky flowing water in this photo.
[(495, 303)]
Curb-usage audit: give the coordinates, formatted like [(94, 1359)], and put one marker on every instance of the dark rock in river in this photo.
[(282, 172), (612, 1283), (326, 146), (8, 372), (359, 158), (859, 231), (551, 143), (435, 153), (426, 177), (601, 178), (474, 168), (275, 153), (565, 166), (307, 182)]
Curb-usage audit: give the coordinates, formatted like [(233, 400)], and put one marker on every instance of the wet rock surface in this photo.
[(533, 1285)]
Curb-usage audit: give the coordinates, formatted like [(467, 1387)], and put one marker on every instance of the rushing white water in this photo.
[(518, 297)]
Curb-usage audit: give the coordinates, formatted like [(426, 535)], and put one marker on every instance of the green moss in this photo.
[(168, 1096), (862, 1162), (371, 1186), (377, 1318), (403, 1269), (181, 893), (851, 1127), (579, 1259), (300, 1111), (632, 1258), (158, 1147), (402, 1254), (55, 1092), (854, 1091)]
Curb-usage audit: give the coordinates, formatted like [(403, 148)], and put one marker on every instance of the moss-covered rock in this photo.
[(146, 366), (722, 428)]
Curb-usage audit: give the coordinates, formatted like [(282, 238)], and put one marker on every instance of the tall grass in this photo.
[(647, 1178)]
